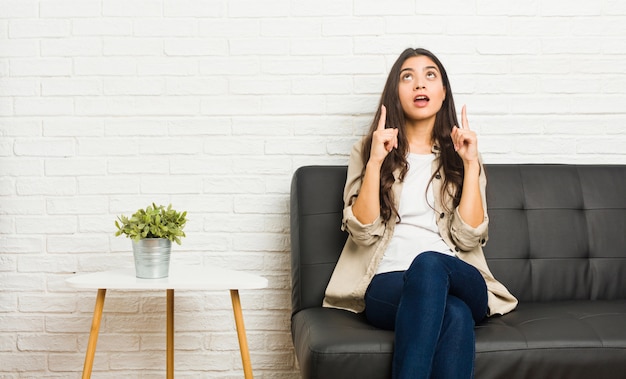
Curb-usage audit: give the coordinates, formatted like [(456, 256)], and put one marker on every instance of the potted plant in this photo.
[(152, 231)]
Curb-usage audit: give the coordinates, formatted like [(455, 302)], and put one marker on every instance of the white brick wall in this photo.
[(108, 105)]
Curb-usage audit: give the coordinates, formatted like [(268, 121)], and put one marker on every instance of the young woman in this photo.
[(416, 216)]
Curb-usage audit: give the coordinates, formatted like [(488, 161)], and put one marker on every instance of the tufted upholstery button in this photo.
[(437, 176), (456, 248), (442, 215)]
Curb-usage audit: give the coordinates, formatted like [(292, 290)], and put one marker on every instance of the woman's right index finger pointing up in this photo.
[(383, 118)]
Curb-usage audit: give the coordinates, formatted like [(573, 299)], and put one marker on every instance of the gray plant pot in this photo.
[(152, 257)]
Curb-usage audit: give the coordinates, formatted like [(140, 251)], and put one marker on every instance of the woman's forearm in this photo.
[(366, 207), (471, 204)]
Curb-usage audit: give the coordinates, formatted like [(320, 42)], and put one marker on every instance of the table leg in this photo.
[(241, 334), (93, 334), (170, 334)]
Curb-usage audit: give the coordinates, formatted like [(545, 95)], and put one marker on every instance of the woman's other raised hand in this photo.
[(465, 140), (384, 139)]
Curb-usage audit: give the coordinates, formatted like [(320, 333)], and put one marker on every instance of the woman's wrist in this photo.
[(471, 166), (373, 165)]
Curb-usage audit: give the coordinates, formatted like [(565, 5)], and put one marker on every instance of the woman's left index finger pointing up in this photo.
[(464, 122)]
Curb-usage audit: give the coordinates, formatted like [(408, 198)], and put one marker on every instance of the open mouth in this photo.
[(421, 100)]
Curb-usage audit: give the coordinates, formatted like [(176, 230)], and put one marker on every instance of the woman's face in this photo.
[(420, 89)]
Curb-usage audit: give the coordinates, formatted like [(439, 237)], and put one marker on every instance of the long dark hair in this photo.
[(445, 120)]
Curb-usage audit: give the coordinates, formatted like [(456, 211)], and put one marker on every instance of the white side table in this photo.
[(180, 278)]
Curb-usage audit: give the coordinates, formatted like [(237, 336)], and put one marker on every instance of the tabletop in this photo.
[(181, 277)]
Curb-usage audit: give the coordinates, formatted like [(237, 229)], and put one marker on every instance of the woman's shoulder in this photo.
[(358, 144), (357, 149)]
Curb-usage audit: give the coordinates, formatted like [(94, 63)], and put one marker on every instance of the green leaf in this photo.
[(153, 222)]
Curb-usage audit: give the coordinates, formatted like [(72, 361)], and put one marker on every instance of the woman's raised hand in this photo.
[(465, 140), (383, 140)]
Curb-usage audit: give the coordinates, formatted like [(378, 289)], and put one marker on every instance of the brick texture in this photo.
[(109, 105)]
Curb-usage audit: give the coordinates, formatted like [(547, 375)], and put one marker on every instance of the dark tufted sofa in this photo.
[(557, 241)]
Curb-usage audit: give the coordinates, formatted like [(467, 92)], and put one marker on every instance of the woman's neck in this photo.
[(420, 137)]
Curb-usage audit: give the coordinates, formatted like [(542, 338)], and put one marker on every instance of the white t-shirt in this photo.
[(417, 230)]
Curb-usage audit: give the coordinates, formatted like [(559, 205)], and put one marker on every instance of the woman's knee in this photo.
[(429, 266), (427, 261)]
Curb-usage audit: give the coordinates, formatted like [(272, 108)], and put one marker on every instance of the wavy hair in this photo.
[(449, 161)]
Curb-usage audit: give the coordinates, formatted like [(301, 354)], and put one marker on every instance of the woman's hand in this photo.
[(464, 140), (383, 140)]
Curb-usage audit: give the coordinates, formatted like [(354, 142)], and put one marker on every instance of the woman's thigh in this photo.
[(464, 281), (382, 298)]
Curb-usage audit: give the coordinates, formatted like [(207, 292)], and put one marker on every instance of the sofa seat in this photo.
[(511, 346), (335, 342), (577, 336)]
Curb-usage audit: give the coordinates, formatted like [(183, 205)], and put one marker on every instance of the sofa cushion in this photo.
[(558, 232), (570, 339), (333, 343)]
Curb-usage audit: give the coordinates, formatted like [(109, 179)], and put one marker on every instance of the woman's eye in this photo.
[(431, 75), (407, 77)]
